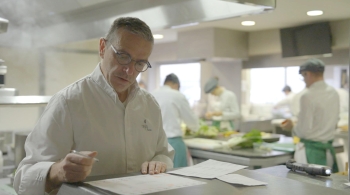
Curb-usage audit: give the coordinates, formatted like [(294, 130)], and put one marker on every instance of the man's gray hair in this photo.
[(133, 25)]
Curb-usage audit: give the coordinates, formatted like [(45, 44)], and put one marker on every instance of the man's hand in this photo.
[(208, 115), (72, 168), (153, 167), (218, 113), (287, 125)]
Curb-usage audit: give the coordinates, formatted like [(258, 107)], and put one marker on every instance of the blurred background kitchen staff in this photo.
[(286, 104), (318, 116), (224, 109), (175, 109)]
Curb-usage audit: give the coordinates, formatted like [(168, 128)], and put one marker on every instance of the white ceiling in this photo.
[(288, 13)]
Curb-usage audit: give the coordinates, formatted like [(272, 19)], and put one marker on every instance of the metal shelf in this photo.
[(24, 100)]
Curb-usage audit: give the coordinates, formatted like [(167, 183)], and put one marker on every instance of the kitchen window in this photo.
[(189, 76)]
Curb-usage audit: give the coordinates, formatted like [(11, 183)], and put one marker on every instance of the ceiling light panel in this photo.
[(248, 23), (314, 13)]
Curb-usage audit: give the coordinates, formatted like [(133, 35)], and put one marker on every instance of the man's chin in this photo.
[(121, 88)]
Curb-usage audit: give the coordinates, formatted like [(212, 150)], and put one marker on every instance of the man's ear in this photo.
[(102, 47)]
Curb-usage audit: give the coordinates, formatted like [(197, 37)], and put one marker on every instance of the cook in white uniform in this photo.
[(175, 109), (287, 102), (318, 115), (104, 115), (224, 109)]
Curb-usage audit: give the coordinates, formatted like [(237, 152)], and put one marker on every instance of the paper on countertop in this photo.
[(208, 169), (240, 179), (144, 184), (348, 184)]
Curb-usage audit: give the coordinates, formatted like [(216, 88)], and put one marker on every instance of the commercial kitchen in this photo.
[(263, 52)]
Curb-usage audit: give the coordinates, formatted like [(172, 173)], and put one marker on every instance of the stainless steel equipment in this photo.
[(3, 25), (3, 71), (93, 20), (24, 100), (8, 92)]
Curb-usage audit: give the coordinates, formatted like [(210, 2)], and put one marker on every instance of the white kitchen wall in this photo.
[(22, 74), (61, 69)]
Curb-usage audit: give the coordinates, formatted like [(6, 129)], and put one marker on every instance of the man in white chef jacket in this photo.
[(318, 116), (224, 109), (175, 109), (104, 115)]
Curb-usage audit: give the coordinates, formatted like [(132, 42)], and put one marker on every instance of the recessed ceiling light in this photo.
[(158, 36), (314, 13), (248, 23)]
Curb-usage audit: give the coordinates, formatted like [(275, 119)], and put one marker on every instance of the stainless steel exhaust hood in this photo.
[(93, 21)]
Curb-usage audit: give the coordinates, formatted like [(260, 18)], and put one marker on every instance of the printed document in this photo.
[(144, 184), (209, 169), (240, 179)]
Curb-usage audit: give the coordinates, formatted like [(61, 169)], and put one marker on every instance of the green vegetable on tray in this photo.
[(245, 141), (207, 131), (254, 136)]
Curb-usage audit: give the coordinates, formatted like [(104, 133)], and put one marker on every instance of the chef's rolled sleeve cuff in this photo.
[(34, 179)]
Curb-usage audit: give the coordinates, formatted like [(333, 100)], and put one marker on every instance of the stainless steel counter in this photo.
[(334, 181), (249, 157), (276, 185)]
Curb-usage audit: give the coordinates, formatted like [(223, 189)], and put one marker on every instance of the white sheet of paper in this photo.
[(240, 179), (209, 169), (144, 184), (348, 184)]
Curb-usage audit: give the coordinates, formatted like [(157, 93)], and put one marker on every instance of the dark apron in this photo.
[(180, 158), (218, 123), (316, 153)]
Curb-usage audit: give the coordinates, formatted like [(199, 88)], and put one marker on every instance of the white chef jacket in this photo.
[(175, 109), (319, 113), (227, 104), (88, 116), (296, 103), (287, 101)]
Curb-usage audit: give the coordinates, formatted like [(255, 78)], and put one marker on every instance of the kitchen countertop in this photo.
[(334, 181), (249, 157), (276, 185)]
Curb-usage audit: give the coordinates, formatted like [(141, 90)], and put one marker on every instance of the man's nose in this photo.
[(129, 69)]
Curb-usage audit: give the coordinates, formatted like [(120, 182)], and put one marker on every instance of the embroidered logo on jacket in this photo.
[(145, 126)]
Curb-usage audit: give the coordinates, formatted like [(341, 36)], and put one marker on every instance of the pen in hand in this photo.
[(80, 154)]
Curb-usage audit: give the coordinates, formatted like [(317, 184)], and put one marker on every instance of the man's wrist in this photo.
[(52, 180)]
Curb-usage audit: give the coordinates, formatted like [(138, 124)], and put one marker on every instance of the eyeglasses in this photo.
[(125, 59)]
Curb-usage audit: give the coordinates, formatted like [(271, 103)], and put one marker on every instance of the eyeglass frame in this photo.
[(120, 53)]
